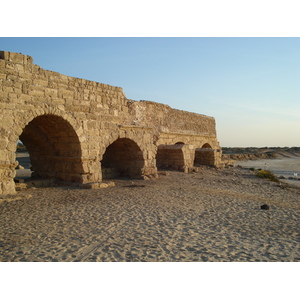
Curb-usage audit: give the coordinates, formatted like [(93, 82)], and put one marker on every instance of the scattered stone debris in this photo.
[(163, 173), (13, 197), (265, 206), (97, 185), (21, 186)]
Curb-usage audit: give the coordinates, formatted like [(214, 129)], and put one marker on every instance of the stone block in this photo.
[(28, 59), (20, 67), (3, 143), (41, 82), (12, 97), (20, 186), (67, 94), (2, 65), (8, 187), (97, 185), (4, 55), (9, 66), (57, 101), (16, 57), (36, 93)]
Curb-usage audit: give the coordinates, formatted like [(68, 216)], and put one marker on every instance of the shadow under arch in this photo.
[(54, 148), (122, 158)]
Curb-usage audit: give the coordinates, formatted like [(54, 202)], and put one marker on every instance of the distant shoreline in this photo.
[(252, 153), (285, 167)]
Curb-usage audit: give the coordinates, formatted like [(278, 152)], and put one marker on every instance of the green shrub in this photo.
[(267, 175)]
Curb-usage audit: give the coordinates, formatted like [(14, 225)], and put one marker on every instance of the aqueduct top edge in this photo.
[(99, 114)]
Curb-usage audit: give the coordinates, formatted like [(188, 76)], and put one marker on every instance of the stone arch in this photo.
[(54, 147), (122, 158), (206, 146), (179, 143), (17, 128), (204, 155)]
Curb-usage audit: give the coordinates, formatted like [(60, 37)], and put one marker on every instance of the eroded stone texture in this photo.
[(82, 131)]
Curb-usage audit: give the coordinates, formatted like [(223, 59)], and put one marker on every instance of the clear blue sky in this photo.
[(251, 86)]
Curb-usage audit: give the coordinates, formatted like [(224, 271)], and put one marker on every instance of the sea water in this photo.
[(287, 167)]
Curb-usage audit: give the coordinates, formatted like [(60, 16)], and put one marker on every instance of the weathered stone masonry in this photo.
[(83, 131)]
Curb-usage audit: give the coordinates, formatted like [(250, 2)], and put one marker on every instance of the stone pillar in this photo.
[(176, 157), (7, 174), (205, 156)]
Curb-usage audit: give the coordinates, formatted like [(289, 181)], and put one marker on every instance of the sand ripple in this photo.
[(212, 215)]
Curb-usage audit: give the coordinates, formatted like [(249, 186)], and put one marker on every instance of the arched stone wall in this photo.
[(45, 141), (94, 115), (54, 148)]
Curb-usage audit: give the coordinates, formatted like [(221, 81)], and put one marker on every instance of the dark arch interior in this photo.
[(206, 146), (123, 158), (54, 148)]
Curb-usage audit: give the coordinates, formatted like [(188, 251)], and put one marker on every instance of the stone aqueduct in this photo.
[(81, 131)]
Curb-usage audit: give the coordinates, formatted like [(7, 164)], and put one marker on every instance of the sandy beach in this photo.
[(212, 215)]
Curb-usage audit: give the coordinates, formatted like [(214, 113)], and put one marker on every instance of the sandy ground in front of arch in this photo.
[(213, 215)]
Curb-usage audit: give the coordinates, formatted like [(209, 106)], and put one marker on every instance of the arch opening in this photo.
[(54, 149), (204, 156), (23, 169), (122, 158), (206, 146)]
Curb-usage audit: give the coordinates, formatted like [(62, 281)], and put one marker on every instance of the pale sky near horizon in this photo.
[(249, 85)]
